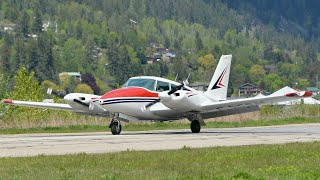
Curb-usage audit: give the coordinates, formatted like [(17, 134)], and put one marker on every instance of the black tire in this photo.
[(115, 129), (195, 126)]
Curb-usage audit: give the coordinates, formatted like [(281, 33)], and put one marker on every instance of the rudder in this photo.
[(218, 86)]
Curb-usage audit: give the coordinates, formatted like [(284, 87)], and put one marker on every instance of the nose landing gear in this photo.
[(115, 126)]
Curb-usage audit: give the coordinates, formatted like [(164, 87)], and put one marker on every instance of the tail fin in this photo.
[(219, 83)]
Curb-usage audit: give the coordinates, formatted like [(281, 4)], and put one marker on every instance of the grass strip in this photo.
[(288, 161), (158, 126)]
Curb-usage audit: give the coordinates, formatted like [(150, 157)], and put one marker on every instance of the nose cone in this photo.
[(72, 96), (68, 97)]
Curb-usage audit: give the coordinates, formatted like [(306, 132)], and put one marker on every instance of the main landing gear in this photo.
[(196, 123), (195, 126), (115, 126)]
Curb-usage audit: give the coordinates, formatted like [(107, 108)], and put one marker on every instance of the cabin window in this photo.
[(145, 83), (173, 86), (162, 86)]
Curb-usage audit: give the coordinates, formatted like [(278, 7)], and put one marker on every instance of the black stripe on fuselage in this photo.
[(128, 101)]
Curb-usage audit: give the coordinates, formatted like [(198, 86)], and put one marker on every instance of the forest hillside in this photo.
[(273, 43)]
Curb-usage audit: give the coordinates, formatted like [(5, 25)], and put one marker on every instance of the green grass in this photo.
[(317, 97), (158, 126), (290, 161)]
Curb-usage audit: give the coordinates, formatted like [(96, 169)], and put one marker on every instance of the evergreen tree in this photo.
[(37, 23), (24, 24), (92, 56), (199, 44), (20, 55), (6, 54), (180, 68)]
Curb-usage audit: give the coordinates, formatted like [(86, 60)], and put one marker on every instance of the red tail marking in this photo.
[(222, 79)]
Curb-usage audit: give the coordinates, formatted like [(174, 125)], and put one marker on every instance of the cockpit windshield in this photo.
[(145, 83)]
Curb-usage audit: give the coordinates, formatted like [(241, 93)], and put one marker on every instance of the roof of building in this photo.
[(313, 89), (70, 73), (248, 85)]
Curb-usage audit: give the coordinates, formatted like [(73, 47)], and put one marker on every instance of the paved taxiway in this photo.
[(57, 144)]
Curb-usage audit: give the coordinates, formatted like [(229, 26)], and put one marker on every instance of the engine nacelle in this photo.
[(180, 101), (84, 102), (95, 107)]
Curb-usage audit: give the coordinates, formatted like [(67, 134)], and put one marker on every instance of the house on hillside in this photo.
[(162, 50), (314, 90), (155, 53), (168, 56), (76, 75), (270, 69), (47, 24), (8, 27), (200, 86), (150, 60), (248, 89)]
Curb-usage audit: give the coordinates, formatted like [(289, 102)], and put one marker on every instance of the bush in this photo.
[(83, 88)]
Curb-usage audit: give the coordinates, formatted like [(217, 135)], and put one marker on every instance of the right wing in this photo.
[(91, 108), (57, 106)]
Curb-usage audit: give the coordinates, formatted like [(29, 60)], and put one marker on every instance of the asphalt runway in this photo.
[(24, 145)]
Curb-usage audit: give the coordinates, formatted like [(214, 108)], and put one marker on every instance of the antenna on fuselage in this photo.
[(176, 77), (186, 82)]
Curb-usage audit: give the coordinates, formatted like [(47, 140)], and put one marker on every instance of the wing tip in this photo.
[(308, 94), (300, 94), (8, 101)]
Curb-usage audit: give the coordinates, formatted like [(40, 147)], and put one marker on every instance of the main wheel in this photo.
[(195, 126), (115, 128)]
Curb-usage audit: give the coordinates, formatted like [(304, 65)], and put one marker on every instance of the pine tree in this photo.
[(6, 54), (37, 23), (24, 24), (199, 44)]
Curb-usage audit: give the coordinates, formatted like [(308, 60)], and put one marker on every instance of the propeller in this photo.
[(172, 91), (175, 89), (60, 93)]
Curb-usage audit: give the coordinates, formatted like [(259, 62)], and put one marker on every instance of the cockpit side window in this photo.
[(146, 83), (173, 86), (162, 86)]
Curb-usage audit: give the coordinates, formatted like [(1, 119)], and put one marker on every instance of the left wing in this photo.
[(184, 102), (236, 106)]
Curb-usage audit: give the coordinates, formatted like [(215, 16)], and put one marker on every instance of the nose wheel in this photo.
[(115, 127)]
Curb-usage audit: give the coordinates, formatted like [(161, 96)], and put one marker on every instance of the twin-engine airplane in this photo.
[(155, 98)]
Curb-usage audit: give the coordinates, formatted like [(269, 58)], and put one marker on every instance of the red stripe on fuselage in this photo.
[(129, 92)]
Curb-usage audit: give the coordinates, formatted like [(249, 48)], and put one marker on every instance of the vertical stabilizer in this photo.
[(218, 86)]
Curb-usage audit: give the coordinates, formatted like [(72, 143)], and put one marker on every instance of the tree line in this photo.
[(97, 38)]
